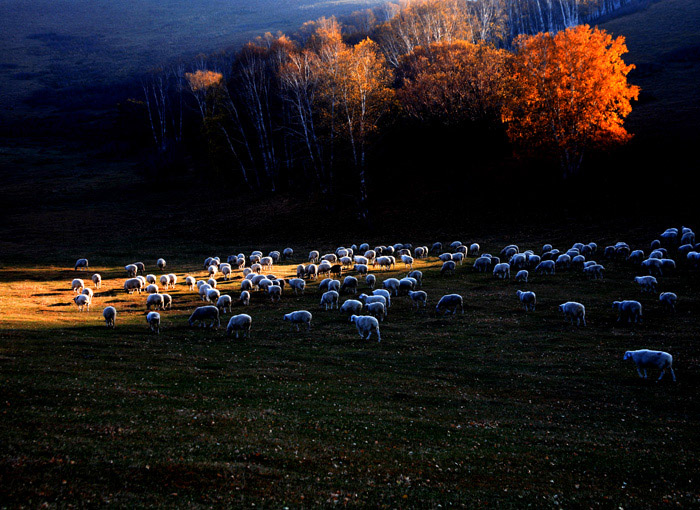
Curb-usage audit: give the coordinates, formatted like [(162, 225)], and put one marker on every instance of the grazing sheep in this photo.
[(370, 255), (417, 276), (212, 283), (482, 264), (155, 301), (203, 314), (518, 261), (368, 300), (131, 270), (227, 271), (256, 268), (333, 285), (203, 289), (445, 257), (314, 256), (385, 293), (153, 320), (161, 264), (97, 280), (311, 271), (371, 280), (384, 262), (361, 268), (110, 315), (420, 252), (628, 310), (212, 270), (522, 275), (245, 298), (208, 262), (77, 285), (167, 301), (448, 267), (335, 270), (264, 284), (323, 286), (239, 323), (407, 261), (545, 267), (594, 271), (636, 257), (298, 285), (501, 271), (275, 292), (143, 280), (645, 358), (349, 284), (436, 248), (652, 267), (609, 252), (83, 301), (573, 310), (474, 249), (299, 317), (418, 297), (458, 257), (407, 284), (246, 285), (165, 281), (81, 264), (266, 263), (563, 261), (331, 258), (152, 289), (287, 253), (450, 301), (223, 303), (668, 299), (151, 278), (133, 284), (172, 280), (578, 261), (366, 325), (528, 299), (255, 258), (392, 285), (329, 298), (546, 248), (88, 292), (668, 265), (647, 283), (376, 309), (351, 307)]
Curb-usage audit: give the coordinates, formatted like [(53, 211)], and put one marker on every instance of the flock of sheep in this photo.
[(366, 311)]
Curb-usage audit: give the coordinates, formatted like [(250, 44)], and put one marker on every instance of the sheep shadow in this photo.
[(46, 294)]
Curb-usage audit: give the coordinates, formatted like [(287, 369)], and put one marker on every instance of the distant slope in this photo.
[(664, 42)]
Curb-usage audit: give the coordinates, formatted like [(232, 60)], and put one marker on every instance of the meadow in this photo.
[(495, 407)]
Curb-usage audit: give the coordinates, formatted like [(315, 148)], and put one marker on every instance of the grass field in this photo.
[(496, 407)]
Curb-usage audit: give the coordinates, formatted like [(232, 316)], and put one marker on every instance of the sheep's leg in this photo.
[(663, 372), (673, 376), (641, 375)]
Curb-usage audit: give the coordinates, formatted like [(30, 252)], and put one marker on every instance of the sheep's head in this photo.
[(627, 355)]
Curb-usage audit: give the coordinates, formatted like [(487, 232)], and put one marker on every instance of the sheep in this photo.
[(329, 298), (351, 307), (349, 284), (331, 258), (458, 257), (223, 303), (609, 252), (81, 264), (448, 266), (656, 254), (212, 270), (371, 280), (501, 271), (573, 310), (275, 256), (244, 298), (151, 278), (133, 284), (482, 264), (202, 314), (418, 297), (266, 263), (370, 255), (167, 301), (366, 325), (345, 261), (445, 257), (264, 284), (143, 280), (546, 248), (361, 268), (594, 271), (563, 261), (368, 300), (528, 299), (688, 238), (407, 261), (152, 289), (153, 320), (522, 275), (420, 252), (335, 270), (628, 310), (647, 283), (636, 257), (88, 292), (299, 317), (407, 284), (239, 323), (385, 293), (165, 281), (436, 248), (645, 358), (668, 299), (255, 258), (77, 285), (333, 285), (131, 270), (83, 301), (652, 267), (287, 253), (172, 280), (275, 292), (693, 258), (518, 261), (545, 267), (298, 285), (533, 261), (392, 285), (668, 265), (155, 301), (384, 262), (97, 280), (203, 289), (376, 309), (578, 261), (246, 285), (110, 315), (226, 271), (311, 271), (161, 264), (452, 301)]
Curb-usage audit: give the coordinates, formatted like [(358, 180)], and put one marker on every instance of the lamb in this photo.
[(385, 293), (239, 323), (668, 299), (645, 358), (203, 314), (245, 298), (501, 271), (594, 271), (155, 301), (522, 276), (482, 264), (450, 301), (376, 309), (392, 285), (110, 315), (349, 284), (545, 267), (153, 320), (351, 307), (97, 280), (299, 317), (275, 292), (366, 325), (647, 283), (298, 285), (161, 264), (371, 280), (81, 264), (329, 298), (77, 285), (418, 297), (223, 303), (131, 270), (287, 253), (83, 301), (133, 284), (167, 301), (573, 310), (448, 267), (528, 299), (628, 310), (152, 289)]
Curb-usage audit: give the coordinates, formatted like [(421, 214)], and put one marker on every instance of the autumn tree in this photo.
[(569, 92)]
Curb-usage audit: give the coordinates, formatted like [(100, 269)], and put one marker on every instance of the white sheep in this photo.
[(245, 298), (522, 276), (97, 280), (88, 292), (287, 253), (223, 303), (474, 249), (133, 284), (594, 271), (450, 301), (482, 264), (366, 325), (329, 298), (573, 310), (161, 264), (203, 289), (239, 323), (407, 261), (77, 285), (417, 276), (264, 284), (645, 358), (275, 293), (83, 301), (155, 301), (361, 268), (376, 309), (351, 307), (165, 281), (299, 317), (298, 285), (407, 284), (444, 257), (371, 280), (167, 301), (151, 278), (366, 300), (385, 293), (311, 271), (81, 264), (152, 289), (458, 257), (668, 299), (418, 297), (131, 270), (528, 299), (647, 283), (213, 295), (153, 320), (545, 267), (203, 314), (448, 266), (653, 267), (392, 285), (110, 315), (349, 284), (501, 271), (629, 310), (384, 262)]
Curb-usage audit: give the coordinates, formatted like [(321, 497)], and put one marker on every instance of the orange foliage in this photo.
[(569, 92), (202, 80)]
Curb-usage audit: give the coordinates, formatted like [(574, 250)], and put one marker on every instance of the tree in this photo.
[(569, 93)]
